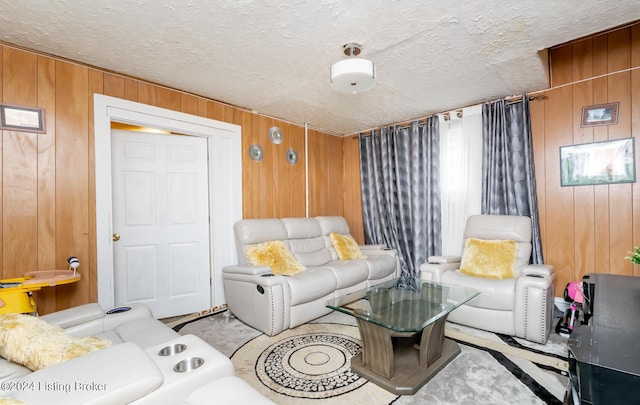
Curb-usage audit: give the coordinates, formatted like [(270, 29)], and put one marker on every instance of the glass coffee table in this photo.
[(401, 325)]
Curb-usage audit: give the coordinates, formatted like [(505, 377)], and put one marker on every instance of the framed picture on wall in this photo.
[(26, 119), (604, 162), (601, 114)]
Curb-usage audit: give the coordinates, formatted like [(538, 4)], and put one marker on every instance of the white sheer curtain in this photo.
[(460, 173)]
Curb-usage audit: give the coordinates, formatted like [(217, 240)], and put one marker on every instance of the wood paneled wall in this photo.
[(588, 228), (47, 186)]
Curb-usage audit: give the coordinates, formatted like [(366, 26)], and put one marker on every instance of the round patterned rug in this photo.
[(310, 362)]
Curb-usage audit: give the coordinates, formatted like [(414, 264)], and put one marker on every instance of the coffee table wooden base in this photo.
[(402, 363)]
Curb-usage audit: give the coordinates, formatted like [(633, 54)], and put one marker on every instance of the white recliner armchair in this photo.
[(521, 305)]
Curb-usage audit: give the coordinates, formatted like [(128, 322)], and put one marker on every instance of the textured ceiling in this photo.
[(273, 57)]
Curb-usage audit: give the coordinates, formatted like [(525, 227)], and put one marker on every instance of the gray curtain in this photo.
[(508, 176), (401, 191)]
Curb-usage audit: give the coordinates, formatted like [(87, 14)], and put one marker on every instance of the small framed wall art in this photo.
[(600, 114), (17, 118)]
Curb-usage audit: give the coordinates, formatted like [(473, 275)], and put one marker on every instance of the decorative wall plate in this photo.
[(292, 156), (275, 135), (255, 152)]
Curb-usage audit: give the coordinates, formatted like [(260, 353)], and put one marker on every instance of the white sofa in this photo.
[(148, 363), (520, 306), (273, 303)]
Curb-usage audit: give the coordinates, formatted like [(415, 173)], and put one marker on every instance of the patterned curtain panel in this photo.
[(508, 176), (400, 191)]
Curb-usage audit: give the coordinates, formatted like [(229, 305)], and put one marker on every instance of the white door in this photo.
[(161, 217)]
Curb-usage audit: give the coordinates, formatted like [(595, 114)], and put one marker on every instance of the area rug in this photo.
[(311, 364), (308, 363)]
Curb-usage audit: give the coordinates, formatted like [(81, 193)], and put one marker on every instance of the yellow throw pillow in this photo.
[(489, 258), (276, 255), (35, 344), (346, 247)]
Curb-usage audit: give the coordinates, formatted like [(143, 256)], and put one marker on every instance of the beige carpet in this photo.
[(310, 364)]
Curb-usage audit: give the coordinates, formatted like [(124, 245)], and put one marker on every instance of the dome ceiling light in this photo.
[(353, 75)]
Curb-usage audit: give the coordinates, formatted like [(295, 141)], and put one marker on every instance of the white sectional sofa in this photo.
[(273, 303), (147, 363)]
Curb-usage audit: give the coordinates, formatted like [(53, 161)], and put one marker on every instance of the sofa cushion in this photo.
[(348, 272), (380, 266), (346, 247), (251, 231), (10, 370), (311, 284), (310, 252), (35, 344), (145, 332), (504, 227), (276, 255), (230, 390), (494, 293), (489, 258), (335, 224), (301, 228)]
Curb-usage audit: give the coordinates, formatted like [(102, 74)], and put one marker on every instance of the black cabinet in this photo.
[(604, 349)]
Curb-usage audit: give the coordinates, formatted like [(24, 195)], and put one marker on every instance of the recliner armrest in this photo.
[(246, 269), (67, 318), (379, 251), (373, 247), (539, 270), (101, 377), (444, 259), (433, 271)]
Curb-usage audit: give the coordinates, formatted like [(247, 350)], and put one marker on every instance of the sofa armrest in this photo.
[(246, 269), (539, 270), (261, 300), (534, 302), (91, 319), (74, 316), (375, 251), (434, 271), (444, 259), (101, 377), (373, 247)]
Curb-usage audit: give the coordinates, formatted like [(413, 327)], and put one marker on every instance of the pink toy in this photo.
[(574, 293)]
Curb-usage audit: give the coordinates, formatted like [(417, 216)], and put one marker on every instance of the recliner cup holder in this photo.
[(190, 364), (173, 349)]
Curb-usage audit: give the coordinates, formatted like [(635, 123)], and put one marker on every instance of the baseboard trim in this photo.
[(561, 304)]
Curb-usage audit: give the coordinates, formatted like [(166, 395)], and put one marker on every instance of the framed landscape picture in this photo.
[(598, 163), (601, 114)]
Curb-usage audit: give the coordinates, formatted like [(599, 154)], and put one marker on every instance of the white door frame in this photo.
[(225, 182)]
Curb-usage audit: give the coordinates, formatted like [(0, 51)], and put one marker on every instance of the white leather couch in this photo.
[(273, 303), (520, 306), (148, 363)]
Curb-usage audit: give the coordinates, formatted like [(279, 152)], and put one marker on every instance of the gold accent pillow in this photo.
[(489, 258), (35, 344), (346, 247), (276, 255)]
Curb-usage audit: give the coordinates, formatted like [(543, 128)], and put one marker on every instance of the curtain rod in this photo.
[(406, 124)]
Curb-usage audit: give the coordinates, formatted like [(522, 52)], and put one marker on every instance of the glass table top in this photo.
[(403, 304)]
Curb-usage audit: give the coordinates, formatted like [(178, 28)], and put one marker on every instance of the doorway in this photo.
[(161, 221), (223, 143)]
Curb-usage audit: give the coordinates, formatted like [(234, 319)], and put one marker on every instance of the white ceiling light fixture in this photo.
[(353, 75)]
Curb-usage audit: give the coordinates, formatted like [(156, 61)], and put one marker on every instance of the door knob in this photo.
[(116, 237)]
